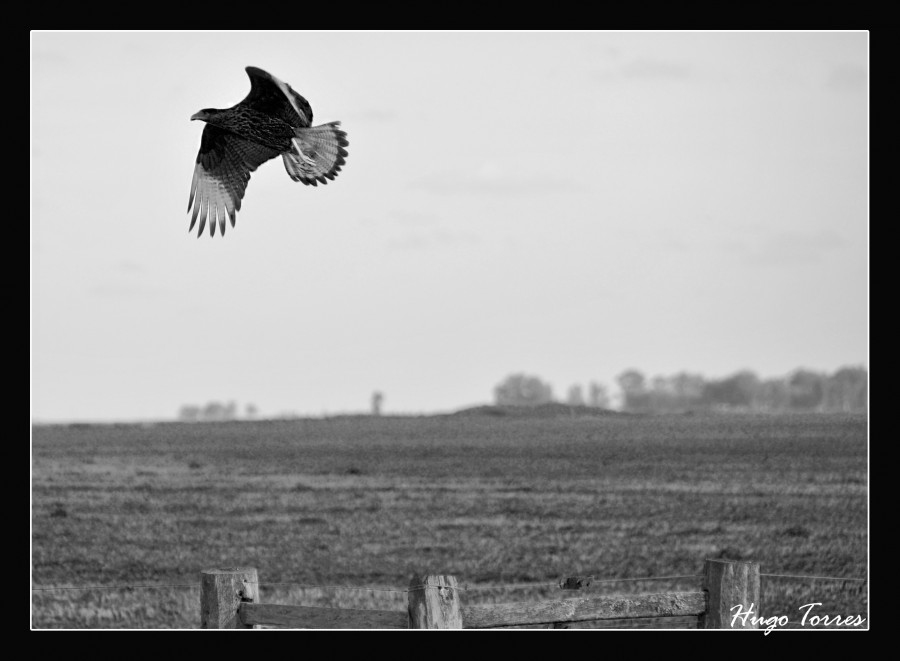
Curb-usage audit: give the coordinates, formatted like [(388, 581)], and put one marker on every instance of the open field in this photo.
[(497, 501)]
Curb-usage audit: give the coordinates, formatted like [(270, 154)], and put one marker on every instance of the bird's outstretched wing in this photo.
[(223, 169), (271, 96), (317, 155)]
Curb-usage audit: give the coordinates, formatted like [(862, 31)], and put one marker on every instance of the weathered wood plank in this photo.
[(681, 622), (584, 608), (312, 617), (571, 583), (434, 602)]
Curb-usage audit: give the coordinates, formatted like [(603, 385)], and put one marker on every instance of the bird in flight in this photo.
[(272, 120)]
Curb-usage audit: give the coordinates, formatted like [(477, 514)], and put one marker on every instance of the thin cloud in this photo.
[(434, 239), (413, 218), (128, 266), (791, 248), (491, 180), (847, 78), (49, 56), (125, 291), (402, 218), (646, 69), (379, 115)]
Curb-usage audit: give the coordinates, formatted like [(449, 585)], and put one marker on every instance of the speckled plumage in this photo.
[(272, 120)]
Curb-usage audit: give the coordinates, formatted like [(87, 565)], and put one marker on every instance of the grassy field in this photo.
[(498, 501)]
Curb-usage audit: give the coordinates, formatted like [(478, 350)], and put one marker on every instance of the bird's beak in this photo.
[(198, 115)]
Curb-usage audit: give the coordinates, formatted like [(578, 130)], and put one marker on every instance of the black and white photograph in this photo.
[(498, 330)]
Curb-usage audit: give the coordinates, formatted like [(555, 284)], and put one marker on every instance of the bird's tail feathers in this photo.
[(317, 155)]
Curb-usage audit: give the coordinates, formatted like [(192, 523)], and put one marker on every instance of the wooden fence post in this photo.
[(728, 584), (434, 603), (221, 594)]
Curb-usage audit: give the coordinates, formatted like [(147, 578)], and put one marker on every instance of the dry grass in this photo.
[(496, 501)]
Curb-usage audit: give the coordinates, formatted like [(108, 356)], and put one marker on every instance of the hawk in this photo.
[(272, 120)]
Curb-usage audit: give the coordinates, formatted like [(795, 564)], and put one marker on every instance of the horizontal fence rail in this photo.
[(229, 599), (311, 617), (584, 609)]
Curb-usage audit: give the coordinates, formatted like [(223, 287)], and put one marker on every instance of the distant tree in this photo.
[(229, 412), (635, 396), (806, 389), (847, 390), (688, 388), (747, 384), (597, 396), (739, 390), (377, 398), (631, 381), (189, 413), (661, 384), (662, 394), (678, 392), (213, 411), (250, 411), (774, 395), (522, 390), (575, 397)]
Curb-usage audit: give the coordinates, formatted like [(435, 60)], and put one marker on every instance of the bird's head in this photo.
[(205, 114)]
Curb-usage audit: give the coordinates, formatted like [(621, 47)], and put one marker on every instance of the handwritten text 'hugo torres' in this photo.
[(747, 617)]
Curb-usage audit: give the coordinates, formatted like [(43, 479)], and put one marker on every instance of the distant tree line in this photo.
[(801, 390), (522, 390), (528, 390), (214, 412)]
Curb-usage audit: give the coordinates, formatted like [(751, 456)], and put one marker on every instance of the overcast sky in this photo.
[(567, 205)]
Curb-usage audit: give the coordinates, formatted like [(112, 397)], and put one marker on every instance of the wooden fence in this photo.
[(229, 599)]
